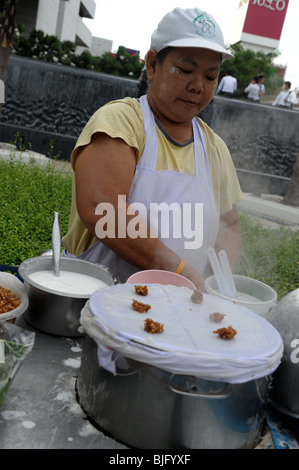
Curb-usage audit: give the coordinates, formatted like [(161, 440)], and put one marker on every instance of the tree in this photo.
[(44, 47), (8, 10), (41, 46), (247, 64), (130, 65)]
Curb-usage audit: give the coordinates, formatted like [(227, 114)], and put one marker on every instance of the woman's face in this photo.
[(183, 84)]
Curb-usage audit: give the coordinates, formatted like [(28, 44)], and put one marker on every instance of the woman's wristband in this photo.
[(180, 267)]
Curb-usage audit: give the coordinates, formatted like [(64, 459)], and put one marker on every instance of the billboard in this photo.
[(265, 18)]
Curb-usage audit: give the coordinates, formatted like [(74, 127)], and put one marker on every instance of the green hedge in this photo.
[(49, 48), (270, 255), (29, 197)]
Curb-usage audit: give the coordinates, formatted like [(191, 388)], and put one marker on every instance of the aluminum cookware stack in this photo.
[(184, 388), (285, 390)]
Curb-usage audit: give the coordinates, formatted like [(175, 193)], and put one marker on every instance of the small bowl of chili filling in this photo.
[(13, 299)]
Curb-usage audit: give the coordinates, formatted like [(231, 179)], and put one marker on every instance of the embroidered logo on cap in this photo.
[(204, 26)]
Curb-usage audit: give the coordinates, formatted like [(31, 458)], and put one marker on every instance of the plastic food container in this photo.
[(157, 276), (253, 294), (8, 281)]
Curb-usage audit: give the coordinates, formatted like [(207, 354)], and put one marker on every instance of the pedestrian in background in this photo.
[(253, 90), (142, 83), (286, 98), (227, 85), (261, 79)]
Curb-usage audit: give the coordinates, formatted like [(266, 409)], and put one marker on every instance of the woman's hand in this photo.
[(190, 273), (229, 237)]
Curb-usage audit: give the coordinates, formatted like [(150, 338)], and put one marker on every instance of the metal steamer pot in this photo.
[(54, 312), (148, 408), (284, 393)]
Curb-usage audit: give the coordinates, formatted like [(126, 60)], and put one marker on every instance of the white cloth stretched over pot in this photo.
[(188, 345)]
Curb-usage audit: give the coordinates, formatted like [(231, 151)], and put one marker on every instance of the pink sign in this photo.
[(265, 18)]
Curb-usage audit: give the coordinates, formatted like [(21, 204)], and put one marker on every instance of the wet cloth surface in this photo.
[(188, 344)]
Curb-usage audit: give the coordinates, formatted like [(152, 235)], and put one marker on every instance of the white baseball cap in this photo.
[(189, 28)]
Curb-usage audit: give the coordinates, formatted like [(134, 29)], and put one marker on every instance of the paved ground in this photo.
[(270, 210), (9, 151)]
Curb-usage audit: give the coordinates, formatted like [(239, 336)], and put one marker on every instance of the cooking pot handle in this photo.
[(191, 389)]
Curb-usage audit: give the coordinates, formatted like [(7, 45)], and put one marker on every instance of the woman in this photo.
[(155, 153)]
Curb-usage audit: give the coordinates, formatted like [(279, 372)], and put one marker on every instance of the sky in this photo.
[(130, 23)]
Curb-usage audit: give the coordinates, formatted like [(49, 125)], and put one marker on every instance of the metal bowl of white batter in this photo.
[(56, 310)]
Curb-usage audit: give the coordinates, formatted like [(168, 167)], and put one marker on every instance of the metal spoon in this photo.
[(56, 243)]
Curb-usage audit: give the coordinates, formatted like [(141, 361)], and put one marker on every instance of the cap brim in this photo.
[(200, 43)]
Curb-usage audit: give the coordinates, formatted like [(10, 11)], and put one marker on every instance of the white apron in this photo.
[(173, 189)]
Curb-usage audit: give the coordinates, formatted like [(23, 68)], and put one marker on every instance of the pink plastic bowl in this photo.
[(156, 276)]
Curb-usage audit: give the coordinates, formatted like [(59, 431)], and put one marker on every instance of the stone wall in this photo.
[(51, 103), (48, 102), (263, 141), (260, 137)]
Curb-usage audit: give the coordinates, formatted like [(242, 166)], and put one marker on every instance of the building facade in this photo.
[(98, 46), (61, 18), (259, 24)]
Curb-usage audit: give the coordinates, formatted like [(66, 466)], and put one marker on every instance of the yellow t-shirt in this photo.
[(124, 119)]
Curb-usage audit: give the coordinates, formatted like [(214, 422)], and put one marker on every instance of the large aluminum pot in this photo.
[(148, 408), (285, 388), (52, 311)]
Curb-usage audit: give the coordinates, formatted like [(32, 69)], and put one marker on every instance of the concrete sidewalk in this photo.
[(270, 209)]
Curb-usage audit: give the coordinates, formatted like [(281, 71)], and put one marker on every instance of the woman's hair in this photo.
[(161, 55)]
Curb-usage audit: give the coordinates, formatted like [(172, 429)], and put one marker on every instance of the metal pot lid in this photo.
[(188, 341), (284, 393), (285, 318)]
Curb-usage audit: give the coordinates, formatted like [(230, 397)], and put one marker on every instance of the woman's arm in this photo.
[(229, 236), (104, 169)]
